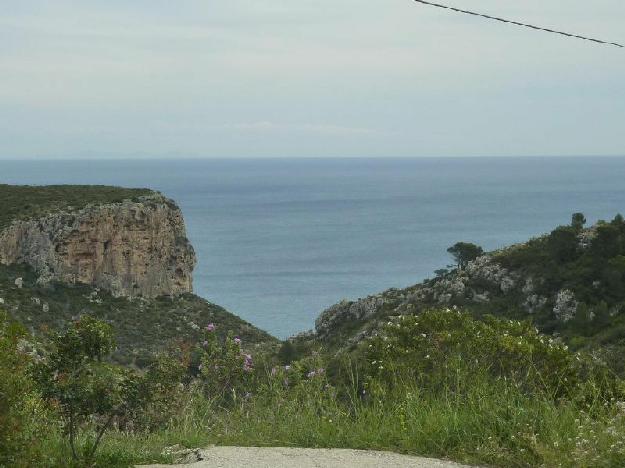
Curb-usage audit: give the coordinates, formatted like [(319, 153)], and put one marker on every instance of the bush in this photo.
[(24, 418), (226, 372), (450, 349)]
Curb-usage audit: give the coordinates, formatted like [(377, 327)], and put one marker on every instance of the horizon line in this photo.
[(259, 158)]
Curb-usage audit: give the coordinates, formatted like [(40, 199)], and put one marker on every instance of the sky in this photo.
[(308, 78)]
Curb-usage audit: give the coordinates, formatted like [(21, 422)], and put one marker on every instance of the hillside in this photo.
[(570, 283), (142, 326), (22, 202), (118, 254)]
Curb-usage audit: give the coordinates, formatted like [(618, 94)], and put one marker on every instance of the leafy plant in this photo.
[(449, 348), (84, 387), (464, 252), (226, 371), (24, 419)]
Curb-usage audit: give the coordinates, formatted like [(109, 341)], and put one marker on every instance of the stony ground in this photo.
[(272, 457)]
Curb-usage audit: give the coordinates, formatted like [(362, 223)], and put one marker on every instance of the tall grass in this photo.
[(440, 385), (492, 423)]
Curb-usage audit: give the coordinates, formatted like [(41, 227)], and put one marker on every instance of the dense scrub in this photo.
[(27, 202), (584, 270), (142, 326), (440, 384)]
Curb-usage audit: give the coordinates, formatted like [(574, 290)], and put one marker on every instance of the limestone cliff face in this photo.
[(132, 248)]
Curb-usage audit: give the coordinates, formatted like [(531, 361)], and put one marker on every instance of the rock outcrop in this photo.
[(131, 248)]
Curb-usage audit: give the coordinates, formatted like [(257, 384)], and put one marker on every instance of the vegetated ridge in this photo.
[(570, 283)]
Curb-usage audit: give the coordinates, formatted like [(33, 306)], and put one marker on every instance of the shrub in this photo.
[(85, 388), (450, 349), (24, 419), (226, 371)]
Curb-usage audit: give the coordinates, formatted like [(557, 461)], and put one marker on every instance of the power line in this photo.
[(531, 26)]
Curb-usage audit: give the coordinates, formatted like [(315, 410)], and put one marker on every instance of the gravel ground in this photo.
[(273, 457)]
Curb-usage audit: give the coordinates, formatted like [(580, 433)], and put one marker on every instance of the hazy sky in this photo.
[(308, 78)]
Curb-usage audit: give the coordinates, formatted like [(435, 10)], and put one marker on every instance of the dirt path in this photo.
[(271, 457)]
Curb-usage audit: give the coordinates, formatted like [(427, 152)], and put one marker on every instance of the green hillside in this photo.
[(26, 202), (570, 283), (142, 326)]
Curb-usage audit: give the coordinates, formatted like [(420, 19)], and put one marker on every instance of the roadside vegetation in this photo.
[(442, 384)]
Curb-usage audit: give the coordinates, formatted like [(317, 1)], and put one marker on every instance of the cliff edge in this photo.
[(130, 246)]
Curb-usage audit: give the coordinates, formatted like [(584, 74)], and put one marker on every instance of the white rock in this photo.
[(566, 305)]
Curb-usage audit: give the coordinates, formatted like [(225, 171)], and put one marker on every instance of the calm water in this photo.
[(279, 240)]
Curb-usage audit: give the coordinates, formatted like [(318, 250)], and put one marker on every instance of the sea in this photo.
[(279, 240)]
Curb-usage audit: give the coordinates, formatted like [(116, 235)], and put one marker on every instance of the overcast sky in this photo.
[(313, 78)]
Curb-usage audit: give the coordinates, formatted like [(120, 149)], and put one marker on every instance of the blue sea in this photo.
[(278, 240)]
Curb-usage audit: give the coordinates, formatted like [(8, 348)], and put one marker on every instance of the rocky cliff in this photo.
[(131, 248)]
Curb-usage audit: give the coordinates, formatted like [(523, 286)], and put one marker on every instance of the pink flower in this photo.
[(248, 365), (210, 327), (237, 340)]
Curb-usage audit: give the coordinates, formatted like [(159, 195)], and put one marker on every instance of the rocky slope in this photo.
[(570, 283), (481, 282), (131, 248)]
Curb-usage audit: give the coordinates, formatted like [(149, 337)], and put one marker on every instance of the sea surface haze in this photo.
[(278, 240)]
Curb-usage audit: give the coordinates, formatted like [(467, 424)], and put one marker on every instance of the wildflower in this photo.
[(199, 367), (205, 344), (237, 340), (311, 374), (248, 365), (210, 327), (423, 335), (287, 368)]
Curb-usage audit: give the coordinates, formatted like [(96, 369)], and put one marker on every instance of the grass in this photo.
[(493, 425), (27, 202), (440, 385)]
